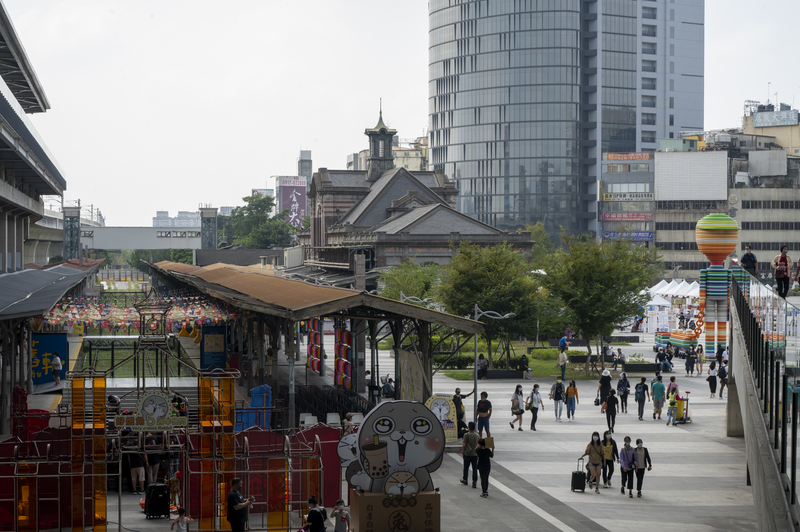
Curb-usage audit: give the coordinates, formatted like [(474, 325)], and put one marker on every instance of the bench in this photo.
[(641, 367), (505, 374)]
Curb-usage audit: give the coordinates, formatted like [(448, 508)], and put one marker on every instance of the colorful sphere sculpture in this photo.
[(717, 235)]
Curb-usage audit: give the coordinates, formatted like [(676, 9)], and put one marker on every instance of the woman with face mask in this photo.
[(532, 403), (627, 465), (517, 400), (642, 462), (595, 451), (783, 266), (610, 455)]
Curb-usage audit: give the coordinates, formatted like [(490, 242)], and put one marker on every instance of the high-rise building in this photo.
[(526, 96), (304, 165)]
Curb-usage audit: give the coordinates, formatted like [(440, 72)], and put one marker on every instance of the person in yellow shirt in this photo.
[(572, 400), (595, 451), (610, 455)]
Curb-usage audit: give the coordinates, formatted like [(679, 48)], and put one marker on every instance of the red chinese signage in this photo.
[(641, 156), (628, 217)]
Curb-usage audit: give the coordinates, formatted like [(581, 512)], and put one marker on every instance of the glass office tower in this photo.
[(526, 95)]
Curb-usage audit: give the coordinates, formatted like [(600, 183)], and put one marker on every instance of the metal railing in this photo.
[(769, 327)]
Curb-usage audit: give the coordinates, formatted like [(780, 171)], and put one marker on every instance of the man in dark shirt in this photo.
[(136, 462), (484, 413), (237, 506), (749, 261), (458, 402)]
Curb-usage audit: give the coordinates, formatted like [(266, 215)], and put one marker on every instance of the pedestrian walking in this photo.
[(749, 261), (484, 465), (673, 385), (469, 446), (642, 463), (691, 361), (517, 400), (611, 408), (458, 402), (627, 465), (572, 400), (604, 387), (557, 394), (658, 397), (237, 506), (623, 390), (484, 413), (712, 378), (718, 356), (595, 451), (722, 376), (782, 264), (55, 366), (532, 403), (610, 455), (701, 359), (562, 363), (341, 517), (672, 406), (641, 391)]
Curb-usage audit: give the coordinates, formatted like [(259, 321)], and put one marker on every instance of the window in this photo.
[(163, 234), (380, 148), (672, 102), (672, 120)]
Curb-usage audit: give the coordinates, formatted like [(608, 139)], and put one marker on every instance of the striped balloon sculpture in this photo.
[(717, 235)]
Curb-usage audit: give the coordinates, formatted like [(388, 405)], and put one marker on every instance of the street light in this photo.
[(479, 314), (412, 299)]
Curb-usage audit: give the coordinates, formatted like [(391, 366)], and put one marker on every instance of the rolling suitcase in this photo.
[(156, 501), (579, 477)]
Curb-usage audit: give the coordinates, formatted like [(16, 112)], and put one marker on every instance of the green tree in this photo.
[(410, 278), (186, 256), (253, 226), (544, 247), (601, 283), (135, 257), (496, 279)]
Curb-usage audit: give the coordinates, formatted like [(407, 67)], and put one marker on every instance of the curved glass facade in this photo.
[(511, 105)]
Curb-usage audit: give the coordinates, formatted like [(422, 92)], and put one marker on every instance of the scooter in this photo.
[(387, 387)]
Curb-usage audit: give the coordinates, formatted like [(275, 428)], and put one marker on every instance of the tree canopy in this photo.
[(544, 247), (414, 280), (601, 283), (253, 226), (496, 279)]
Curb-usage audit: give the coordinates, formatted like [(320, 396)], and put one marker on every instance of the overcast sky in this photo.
[(164, 105)]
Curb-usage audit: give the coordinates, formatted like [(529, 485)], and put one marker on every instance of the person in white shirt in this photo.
[(55, 365), (533, 402)]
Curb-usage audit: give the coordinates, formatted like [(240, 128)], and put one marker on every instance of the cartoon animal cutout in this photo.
[(156, 406), (402, 483), (395, 437), (348, 449)]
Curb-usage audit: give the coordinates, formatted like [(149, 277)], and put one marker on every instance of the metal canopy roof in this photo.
[(17, 71), (30, 293), (298, 300)]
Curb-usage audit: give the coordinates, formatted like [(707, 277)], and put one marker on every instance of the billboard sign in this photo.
[(628, 196), (775, 118), (628, 217), (213, 347), (642, 156), (293, 198), (44, 346), (636, 236)]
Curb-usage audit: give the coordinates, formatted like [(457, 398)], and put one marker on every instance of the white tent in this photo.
[(694, 290), (655, 299), (670, 289), (683, 289), (661, 284)]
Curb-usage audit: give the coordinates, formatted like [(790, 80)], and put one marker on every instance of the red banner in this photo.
[(641, 156), (628, 217)]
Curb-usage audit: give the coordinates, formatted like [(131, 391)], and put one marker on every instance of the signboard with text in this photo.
[(213, 343), (628, 196), (775, 118), (154, 412), (44, 345), (293, 199), (636, 236), (643, 156), (627, 216)]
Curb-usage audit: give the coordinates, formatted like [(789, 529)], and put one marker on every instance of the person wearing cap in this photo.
[(604, 387), (459, 404)]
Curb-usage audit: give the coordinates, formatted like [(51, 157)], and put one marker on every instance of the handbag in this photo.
[(708, 378), (597, 400)]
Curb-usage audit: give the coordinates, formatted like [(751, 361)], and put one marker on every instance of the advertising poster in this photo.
[(628, 216), (42, 349), (212, 347), (293, 198), (442, 406), (411, 378)]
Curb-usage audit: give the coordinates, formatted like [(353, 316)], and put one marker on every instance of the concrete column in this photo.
[(3, 243), (11, 246)]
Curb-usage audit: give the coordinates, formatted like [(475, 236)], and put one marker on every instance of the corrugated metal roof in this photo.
[(30, 293), (298, 300)]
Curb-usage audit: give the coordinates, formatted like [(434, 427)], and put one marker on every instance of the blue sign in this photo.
[(636, 236), (213, 347), (44, 345)]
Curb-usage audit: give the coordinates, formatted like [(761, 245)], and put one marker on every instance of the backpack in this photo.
[(723, 372), (639, 391)]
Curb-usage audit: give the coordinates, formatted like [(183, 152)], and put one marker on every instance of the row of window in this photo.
[(676, 226), (766, 204), (624, 168), (178, 234), (771, 226), (677, 246), (771, 246), (628, 187)]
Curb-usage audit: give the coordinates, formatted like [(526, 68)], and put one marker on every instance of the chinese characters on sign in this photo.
[(626, 156), (293, 198), (628, 217), (42, 349), (776, 118), (628, 196)]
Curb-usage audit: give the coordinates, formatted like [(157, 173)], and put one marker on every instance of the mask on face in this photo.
[(746, 251), (639, 445), (341, 507), (783, 252), (627, 444), (595, 438), (559, 381)]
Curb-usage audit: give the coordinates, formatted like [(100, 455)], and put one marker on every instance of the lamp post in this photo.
[(479, 314), (413, 299)]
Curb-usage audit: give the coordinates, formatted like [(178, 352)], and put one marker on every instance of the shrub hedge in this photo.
[(466, 360)]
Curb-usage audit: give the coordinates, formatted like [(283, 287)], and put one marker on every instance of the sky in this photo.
[(170, 104)]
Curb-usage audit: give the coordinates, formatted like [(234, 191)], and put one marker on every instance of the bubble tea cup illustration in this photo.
[(377, 455)]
